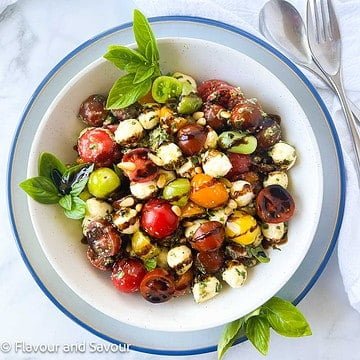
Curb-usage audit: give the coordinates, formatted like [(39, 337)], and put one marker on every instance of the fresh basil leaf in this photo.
[(77, 210), (150, 264), (143, 73), (66, 202), (122, 57), (228, 336), (258, 253), (257, 330), (80, 180), (41, 189), (47, 163), (285, 318), (124, 92), (144, 35)]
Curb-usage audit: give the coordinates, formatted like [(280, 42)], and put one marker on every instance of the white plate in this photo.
[(189, 342)]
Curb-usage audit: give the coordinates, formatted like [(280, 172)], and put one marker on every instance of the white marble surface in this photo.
[(34, 36)]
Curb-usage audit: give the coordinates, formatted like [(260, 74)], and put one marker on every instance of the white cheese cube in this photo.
[(277, 178), (180, 259), (235, 275), (206, 289), (241, 191), (129, 132), (273, 232), (126, 220), (143, 190), (283, 155), (216, 163), (170, 154)]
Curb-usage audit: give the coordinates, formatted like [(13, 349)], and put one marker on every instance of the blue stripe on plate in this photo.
[(203, 21)]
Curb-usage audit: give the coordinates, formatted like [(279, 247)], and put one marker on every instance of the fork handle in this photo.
[(337, 84), (317, 71)]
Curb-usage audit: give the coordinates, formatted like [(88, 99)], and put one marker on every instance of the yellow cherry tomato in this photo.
[(242, 228), (208, 192), (191, 210)]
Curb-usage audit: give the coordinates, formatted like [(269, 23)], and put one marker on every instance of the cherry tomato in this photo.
[(100, 262), (212, 115), (269, 133), (246, 116), (165, 88), (145, 169), (210, 262), (157, 218), (103, 239), (227, 96), (191, 139), (127, 274), (208, 237), (97, 145), (183, 283), (240, 164), (208, 192), (92, 111), (191, 210), (274, 204), (208, 87), (157, 286), (130, 112)]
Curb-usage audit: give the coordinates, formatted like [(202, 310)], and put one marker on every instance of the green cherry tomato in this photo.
[(189, 104), (85, 195), (247, 145), (102, 182), (165, 88), (227, 139), (177, 192)]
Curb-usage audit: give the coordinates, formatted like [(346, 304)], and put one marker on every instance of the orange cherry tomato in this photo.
[(208, 192), (191, 210)]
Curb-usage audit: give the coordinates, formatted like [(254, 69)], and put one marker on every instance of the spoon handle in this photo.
[(317, 71)]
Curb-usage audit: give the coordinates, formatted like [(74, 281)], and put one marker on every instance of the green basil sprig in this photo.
[(58, 184), (142, 65), (279, 314)]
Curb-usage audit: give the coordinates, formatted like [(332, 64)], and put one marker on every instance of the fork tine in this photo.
[(316, 20), (324, 9), (333, 23)]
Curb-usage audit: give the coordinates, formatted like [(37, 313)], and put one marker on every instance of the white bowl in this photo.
[(60, 237)]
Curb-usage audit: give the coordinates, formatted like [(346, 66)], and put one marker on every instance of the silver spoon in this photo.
[(281, 23)]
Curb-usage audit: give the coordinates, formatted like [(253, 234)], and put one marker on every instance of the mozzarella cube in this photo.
[(274, 232), (143, 190), (97, 209), (216, 163), (170, 154), (180, 259), (241, 191), (235, 274), (129, 132), (149, 118), (283, 155), (186, 170), (277, 178), (219, 215), (206, 289), (126, 220)]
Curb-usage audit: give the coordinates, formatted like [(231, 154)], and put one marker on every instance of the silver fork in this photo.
[(325, 45)]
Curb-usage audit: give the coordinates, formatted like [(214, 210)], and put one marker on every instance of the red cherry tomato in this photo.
[(103, 239), (97, 145), (208, 237), (240, 164), (101, 263), (246, 116), (227, 96), (157, 219), (183, 283), (274, 204), (92, 111), (212, 116), (191, 139), (208, 87), (127, 274), (145, 169), (157, 286), (210, 262)]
